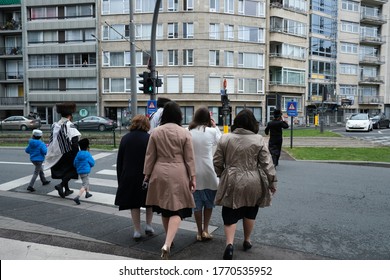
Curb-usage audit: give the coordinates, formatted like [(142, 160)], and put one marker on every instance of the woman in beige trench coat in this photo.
[(170, 170), (247, 177)]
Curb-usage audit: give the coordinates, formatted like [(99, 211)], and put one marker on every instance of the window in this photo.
[(349, 48), (349, 69), (43, 84), (188, 57), (255, 110), (288, 50), (285, 76), (214, 58), (188, 5), (116, 32), (173, 57), (188, 30), (248, 85), (172, 5), (188, 113), (215, 84), (350, 27), (173, 30), (229, 6), (79, 11), (172, 84), (214, 5), (116, 59), (368, 51), (250, 34), (229, 58), (348, 90), (251, 8), (321, 25), (42, 37), (188, 84), (288, 26), (43, 13), (214, 31), (351, 6), (251, 60), (142, 58), (325, 6), (229, 32), (144, 31), (116, 85), (321, 47), (145, 6)]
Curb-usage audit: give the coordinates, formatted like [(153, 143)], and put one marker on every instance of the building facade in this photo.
[(328, 56)]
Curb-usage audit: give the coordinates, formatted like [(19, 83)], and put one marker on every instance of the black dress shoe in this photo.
[(60, 191), (228, 254), (247, 245), (68, 192)]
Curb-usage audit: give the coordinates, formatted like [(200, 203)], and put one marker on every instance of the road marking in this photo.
[(101, 155), (101, 182), (20, 182), (107, 172), (97, 197), (19, 163)]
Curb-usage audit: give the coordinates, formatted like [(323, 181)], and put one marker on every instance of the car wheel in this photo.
[(102, 127), (23, 128)]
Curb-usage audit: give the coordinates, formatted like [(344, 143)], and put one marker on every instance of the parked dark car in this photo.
[(20, 123), (96, 123), (380, 121)]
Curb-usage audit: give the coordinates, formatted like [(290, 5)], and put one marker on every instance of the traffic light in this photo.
[(159, 82), (147, 82)]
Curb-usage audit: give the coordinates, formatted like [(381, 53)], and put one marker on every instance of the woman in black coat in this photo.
[(129, 169)]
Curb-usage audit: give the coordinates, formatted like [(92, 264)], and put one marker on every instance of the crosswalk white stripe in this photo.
[(20, 182), (101, 155), (107, 172), (101, 182), (97, 197)]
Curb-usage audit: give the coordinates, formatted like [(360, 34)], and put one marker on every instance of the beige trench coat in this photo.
[(170, 162), (239, 160)]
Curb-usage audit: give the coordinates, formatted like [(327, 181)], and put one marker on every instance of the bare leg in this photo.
[(135, 216), (173, 226), (149, 215), (206, 218), (198, 219), (230, 231), (248, 225)]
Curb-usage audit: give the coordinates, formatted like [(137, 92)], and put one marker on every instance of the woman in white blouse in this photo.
[(205, 135)]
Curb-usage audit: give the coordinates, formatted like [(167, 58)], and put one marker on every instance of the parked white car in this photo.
[(359, 122)]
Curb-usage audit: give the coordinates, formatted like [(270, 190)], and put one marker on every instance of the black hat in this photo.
[(161, 101), (66, 109), (84, 144), (277, 113)]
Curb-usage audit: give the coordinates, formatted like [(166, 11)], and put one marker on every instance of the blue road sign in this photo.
[(152, 107), (292, 109)]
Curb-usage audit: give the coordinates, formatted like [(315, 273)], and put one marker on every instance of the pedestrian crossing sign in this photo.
[(152, 106), (292, 109)]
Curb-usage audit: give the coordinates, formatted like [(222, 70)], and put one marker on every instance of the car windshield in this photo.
[(359, 117)]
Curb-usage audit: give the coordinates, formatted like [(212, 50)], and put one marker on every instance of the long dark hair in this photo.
[(246, 120), (201, 117), (171, 114)]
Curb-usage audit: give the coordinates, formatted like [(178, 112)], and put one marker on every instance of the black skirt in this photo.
[(182, 213)]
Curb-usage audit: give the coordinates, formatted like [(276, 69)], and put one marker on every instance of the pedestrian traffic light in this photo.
[(159, 82), (147, 82)]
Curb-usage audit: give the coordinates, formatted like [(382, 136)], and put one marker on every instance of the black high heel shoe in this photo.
[(247, 245), (228, 254)]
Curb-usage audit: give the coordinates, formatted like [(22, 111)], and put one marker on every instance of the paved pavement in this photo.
[(35, 226)]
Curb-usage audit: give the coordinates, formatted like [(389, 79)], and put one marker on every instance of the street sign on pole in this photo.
[(152, 107), (292, 109)]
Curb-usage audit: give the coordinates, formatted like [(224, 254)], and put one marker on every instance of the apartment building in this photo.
[(330, 56), (11, 59)]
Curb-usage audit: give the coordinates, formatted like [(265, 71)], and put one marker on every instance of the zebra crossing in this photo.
[(379, 140)]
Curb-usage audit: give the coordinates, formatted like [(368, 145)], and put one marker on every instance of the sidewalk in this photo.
[(49, 228)]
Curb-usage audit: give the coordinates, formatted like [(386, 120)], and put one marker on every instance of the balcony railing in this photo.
[(372, 18), (11, 51), (280, 55), (4, 101), (11, 25), (10, 75), (364, 99), (371, 59), (372, 39), (371, 79)]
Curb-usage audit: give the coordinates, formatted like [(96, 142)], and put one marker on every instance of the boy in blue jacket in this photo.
[(83, 163), (37, 150)]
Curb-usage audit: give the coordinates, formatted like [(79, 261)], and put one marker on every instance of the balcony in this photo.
[(372, 19), (11, 25), (370, 100), (373, 60), (12, 76), (11, 101), (373, 40), (280, 4), (371, 79), (17, 50)]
